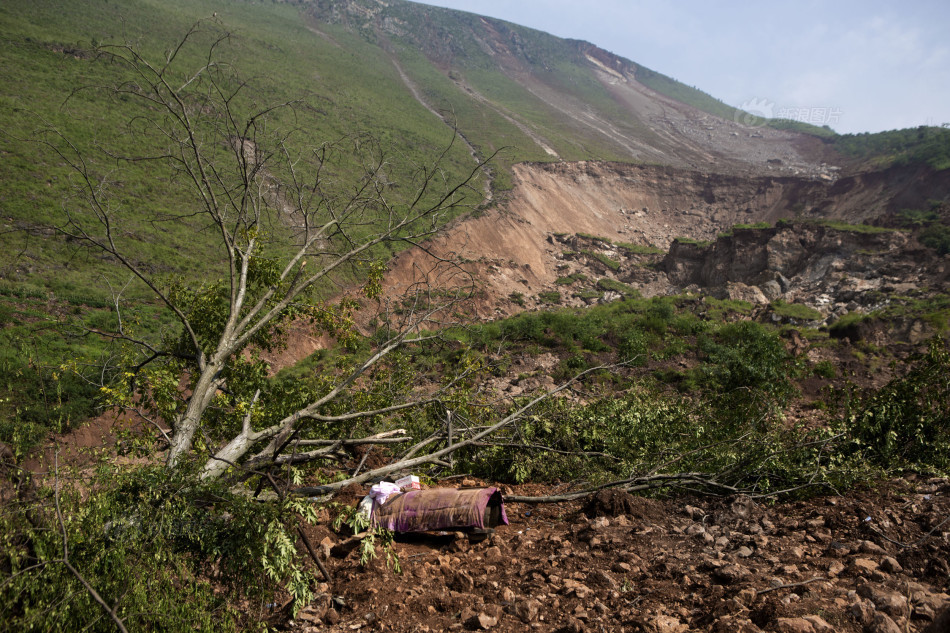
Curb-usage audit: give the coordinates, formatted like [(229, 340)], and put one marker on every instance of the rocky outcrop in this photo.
[(834, 270)]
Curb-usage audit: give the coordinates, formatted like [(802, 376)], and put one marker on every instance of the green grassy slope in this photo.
[(345, 85)]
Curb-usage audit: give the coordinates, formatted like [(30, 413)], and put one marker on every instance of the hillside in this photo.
[(255, 256)]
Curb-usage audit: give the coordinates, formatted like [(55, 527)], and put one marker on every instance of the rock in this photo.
[(870, 547), (941, 623), (527, 610), (481, 622), (880, 623), (744, 552), (332, 617), (602, 578), (819, 624), (834, 568), (508, 595), (668, 624), (863, 565), (890, 565), (728, 574), (887, 601), (738, 291), (794, 625), (863, 612)]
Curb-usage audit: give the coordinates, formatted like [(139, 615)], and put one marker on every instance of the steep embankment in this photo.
[(511, 250)]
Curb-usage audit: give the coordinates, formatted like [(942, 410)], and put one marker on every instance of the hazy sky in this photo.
[(858, 66)]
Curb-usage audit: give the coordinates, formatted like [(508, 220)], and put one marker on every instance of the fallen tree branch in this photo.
[(437, 456), (633, 484)]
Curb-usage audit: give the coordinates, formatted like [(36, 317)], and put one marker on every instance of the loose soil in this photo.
[(871, 560)]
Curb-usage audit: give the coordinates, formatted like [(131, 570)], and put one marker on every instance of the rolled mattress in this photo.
[(442, 509)]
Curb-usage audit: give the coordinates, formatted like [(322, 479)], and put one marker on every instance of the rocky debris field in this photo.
[(873, 560)]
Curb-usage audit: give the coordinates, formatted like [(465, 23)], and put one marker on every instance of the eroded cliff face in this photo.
[(517, 247), (832, 270)]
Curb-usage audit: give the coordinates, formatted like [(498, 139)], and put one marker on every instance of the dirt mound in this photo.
[(613, 503)]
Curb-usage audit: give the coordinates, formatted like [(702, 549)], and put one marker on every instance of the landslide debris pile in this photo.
[(870, 561)]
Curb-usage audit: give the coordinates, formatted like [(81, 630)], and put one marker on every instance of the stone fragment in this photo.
[(668, 624), (819, 624), (602, 578), (794, 625), (729, 574), (528, 610), (870, 547), (744, 552), (891, 603), (881, 623), (941, 623), (890, 565), (481, 622), (863, 565)]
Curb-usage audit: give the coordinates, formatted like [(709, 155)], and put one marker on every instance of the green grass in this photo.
[(795, 311), (688, 240), (609, 262), (570, 279), (612, 285), (837, 225), (640, 249)]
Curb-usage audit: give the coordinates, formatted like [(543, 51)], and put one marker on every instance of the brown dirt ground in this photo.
[(855, 562)]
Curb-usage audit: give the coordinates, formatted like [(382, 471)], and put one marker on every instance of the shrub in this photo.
[(169, 553), (749, 366), (906, 424), (937, 237)]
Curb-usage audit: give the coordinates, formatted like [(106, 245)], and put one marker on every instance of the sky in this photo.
[(856, 66)]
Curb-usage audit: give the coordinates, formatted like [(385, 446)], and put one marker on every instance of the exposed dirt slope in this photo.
[(511, 249)]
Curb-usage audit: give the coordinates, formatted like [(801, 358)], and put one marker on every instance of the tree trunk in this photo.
[(187, 424)]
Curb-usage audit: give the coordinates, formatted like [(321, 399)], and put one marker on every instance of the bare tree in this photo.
[(287, 222)]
